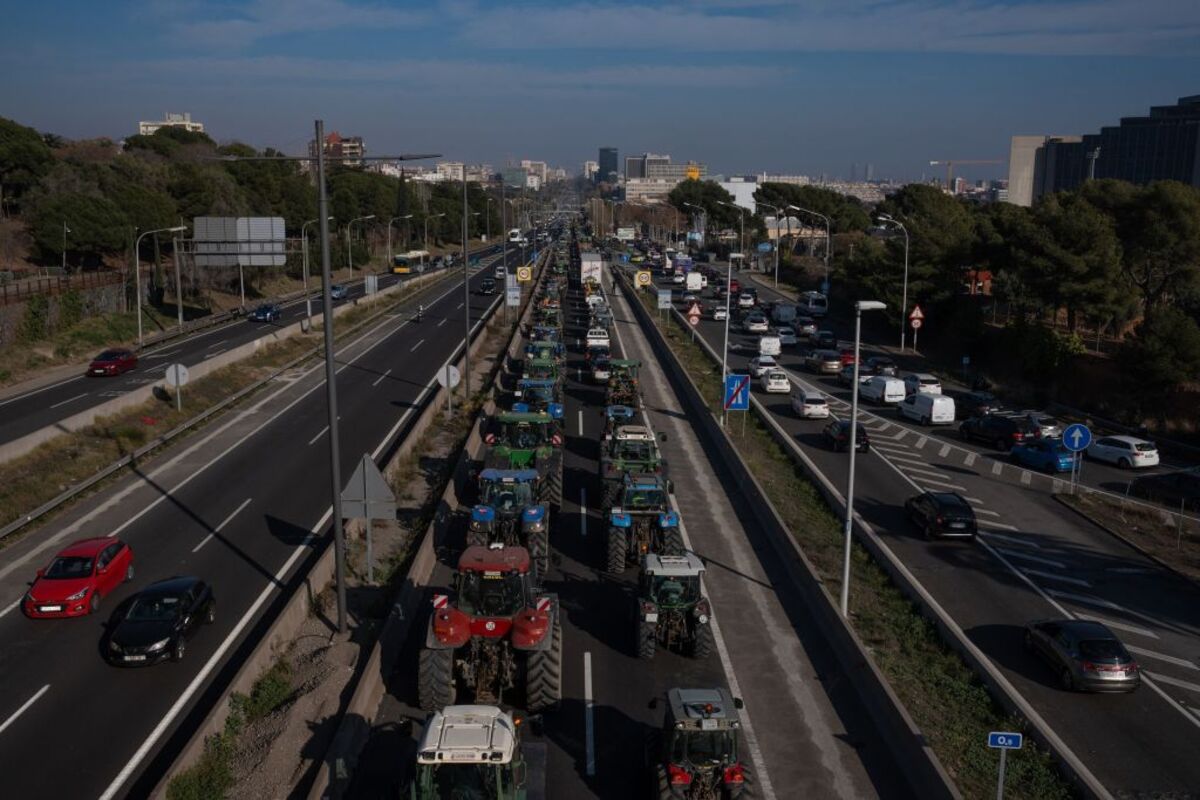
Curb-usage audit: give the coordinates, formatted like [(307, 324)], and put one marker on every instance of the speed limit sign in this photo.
[(524, 274), (916, 324), (643, 277)]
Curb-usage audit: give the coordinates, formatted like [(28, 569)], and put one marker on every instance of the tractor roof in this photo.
[(702, 709), (634, 433), (685, 566), (625, 362), (532, 417), (646, 480), (485, 558), (468, 735), (509, 475), (543, 362)]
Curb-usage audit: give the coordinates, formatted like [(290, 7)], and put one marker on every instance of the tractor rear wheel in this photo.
[(554, 485), (539, 552), (543, 687), (647, 640), (663, 783), (435, 679), (673, 542), (702, 642), (618, 550)]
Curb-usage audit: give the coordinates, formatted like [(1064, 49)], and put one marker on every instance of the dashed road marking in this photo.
[(1026, 477), (589, 713), (318, 436), (970, 460), (945, 451), (1167, 679), (24, 708), (1179, 662), (1056, 577), (946, 484), (1008, 551), (69, 400), (922, 471), (1003, 526), (1012, 539), (224, 522), (413, 349), (921, 442), (997, 467), (380, 379)]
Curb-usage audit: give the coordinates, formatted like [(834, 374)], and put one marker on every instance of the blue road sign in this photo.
[(1077, 437), (764, 247), (737, 392), (1005, 741)]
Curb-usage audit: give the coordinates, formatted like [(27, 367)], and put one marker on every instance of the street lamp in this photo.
[(349, 255), (488, 217), (889, 220), (703, 219), (778, 213), (304, 244), (742, 222), (391, 262), (435, 216), (828, 241), (137, 272), (66, 230), (852, 437)]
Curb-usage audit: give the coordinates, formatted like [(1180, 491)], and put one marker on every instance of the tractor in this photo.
[(694, 756), (532, 440), (672, 610), (615, 417), (509, 513), (541, 369), (544, 349), (623, 383), (538, 394), (499, 632), (642, 523), (630, 449)]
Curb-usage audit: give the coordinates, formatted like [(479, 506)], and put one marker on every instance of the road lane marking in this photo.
[(322, 432), (1179, 662), (1026, 477), (207, 356), (945, 451), (589, 713), (1167, 679), (1014, 540), (219, 341), (224, 522), (997, 467), (945, 484), (413, 349), (1004, 527), (11, 606), (581, 422), (1100, 602), (457, 307), (163, 354), (907, 459), (924, 471), (987, 512), (1056, 577), (443, 322), (379, 380), (1008, 551), (71, 400), (583, 510), (970, 460), (921, 442), (24, 708), (39, 391)]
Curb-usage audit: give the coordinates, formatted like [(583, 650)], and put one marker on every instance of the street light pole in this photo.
[(778, 213), (828, 240), (349, 239), (66, 230), (307, 295), (889, 220), (391, 262), (466, 300), (852, 437), (137, 279)]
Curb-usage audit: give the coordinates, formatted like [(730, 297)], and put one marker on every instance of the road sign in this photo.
[(694, 319), (825, 288), (737, 392), (643, 277), (916, 313), (176, 375), (371, 284), (916, 324), (664, 299), (448, 374), (367, 495), (524, 274), (512, 296), (764, 247), (694, 308), (1077, 437), (1002, 740)]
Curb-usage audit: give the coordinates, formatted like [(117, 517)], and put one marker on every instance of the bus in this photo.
[(516, 237), (412, 261)]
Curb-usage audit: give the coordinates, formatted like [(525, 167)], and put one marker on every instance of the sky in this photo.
[(745, 86)]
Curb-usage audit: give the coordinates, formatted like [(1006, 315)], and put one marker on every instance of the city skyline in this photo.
[(893, 85)]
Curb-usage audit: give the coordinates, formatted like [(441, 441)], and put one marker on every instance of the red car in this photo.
[(112, 362), (78, 578), (847, 356)]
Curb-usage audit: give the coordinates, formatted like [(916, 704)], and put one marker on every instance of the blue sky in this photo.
[(798, 86)]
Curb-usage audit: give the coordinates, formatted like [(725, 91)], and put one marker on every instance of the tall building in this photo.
[(451, 170), (535, 168), (170, 120), (610, 170), (870, 175), (348, 150), (590, 168)]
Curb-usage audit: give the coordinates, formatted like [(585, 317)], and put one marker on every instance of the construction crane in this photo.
[(950, 164)]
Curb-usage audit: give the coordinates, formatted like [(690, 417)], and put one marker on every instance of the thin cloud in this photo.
[(242, 25)]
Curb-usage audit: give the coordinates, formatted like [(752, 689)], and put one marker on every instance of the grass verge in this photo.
[(1172, 538), (946, 700)]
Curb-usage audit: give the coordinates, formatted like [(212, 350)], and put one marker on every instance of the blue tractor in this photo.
[(642, 522), (509, 513)]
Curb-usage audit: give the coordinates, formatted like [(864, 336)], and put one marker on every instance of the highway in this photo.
[(29, 411), (1034, 559), (244, 505), (806, 735)]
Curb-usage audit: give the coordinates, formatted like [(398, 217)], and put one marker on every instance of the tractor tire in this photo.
[(435, 679), (554, 487), (662, 783), (543, 686), (673, 542), (647, 640), (539, 553), (618, 551), (702, 642)]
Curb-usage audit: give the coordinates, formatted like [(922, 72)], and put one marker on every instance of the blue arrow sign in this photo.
[(737, 392), (1077, 437), (1005, 741)]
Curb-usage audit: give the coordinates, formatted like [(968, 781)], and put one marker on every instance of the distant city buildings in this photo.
[(590, 168), (609, 169), (537, 168), (169, 120), (345, 150), (450, 170)]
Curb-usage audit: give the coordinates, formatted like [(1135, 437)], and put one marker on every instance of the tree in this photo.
[(24, 158), (942, 241), (146, 208), (707, 195), (1160, 358), (1082, 259), (97, 225), (846, 214)]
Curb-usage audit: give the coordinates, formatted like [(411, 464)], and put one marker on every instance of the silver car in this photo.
[(1086, 655)]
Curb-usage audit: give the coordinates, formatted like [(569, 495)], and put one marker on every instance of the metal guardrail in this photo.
[(22, 289)]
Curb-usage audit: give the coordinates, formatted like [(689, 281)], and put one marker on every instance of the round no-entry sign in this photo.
[(916, 324), (694, 319)]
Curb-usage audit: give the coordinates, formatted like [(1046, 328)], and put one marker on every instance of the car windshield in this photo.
[(67, 567), (644, 498), (675, 590), (109, 355), (491, 594), (463, 781), (154, 607), (1145, 447), (1109, 650), (704, 747), (504, 496)]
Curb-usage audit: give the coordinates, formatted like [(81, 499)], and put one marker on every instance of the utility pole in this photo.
[(466, 299), (178, 284)]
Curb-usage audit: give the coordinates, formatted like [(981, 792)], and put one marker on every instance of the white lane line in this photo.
[(1100, 602), (11, 606), (1014, 540), (1179, 662), (987, 512), (318, 436), (39, 391), (24, 708), (1026, 477), (977, 501), (921, 442), (413, 349), (219, 341), (70, 400), (1121, 626), (457, 307), (589, 713), (581, 422), (1004, 527), (380, 379), (900, 434), (1167, 679), (1011, 553), (908, 460), (997, 467), (583, 510), (945, 451), (924, 471), (207, 356), (970, 460), (164, 354), (1056, 577), (224, 522), (443, 322), (945, 484)]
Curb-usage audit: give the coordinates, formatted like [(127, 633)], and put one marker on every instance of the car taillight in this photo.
[(735, 774), (940, 520), (679, 776), (1018, 436)]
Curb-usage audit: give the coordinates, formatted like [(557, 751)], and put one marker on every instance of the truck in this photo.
[(695, 282), (591, 267)]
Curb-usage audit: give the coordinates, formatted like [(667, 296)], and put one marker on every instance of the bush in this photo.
[(270, 692), (35, 325), (208, 778)]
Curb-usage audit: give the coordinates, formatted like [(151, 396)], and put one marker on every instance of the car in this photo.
[(787, 336), (809, 405), (846, 354), (823, 339), (487, 285), (837, 433), (756, 322), (746, 300), (1085, 655), (1173, 488), (1000, 431), (735, 286), (823, 361), (1048, 455), (338, 292), (601, 370), (78, 578), (597, 336), (927, 409), (690, 298), (769, 345), (1047, 426), (501, 273), (805, 326), (159, 621), (719, 312), (845, 376), (922, 382), (775, 381), (597, 351), (761, 364), (882, 389), (1125, 451), (112, 362), (267, 312), (942, 515), (977, 403), (881, 365), (678, 278)]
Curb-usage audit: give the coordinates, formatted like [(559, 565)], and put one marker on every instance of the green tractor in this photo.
[(541, 369), (695, 752), (672, 611), (622, 382), (630, 449), (529, 440)]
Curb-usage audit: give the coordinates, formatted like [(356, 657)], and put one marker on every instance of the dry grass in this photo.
[(1169, 537)]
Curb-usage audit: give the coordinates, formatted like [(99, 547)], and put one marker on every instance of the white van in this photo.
[(769, 345), (695, 282), (882, 389), (928, 409), (814, 304)]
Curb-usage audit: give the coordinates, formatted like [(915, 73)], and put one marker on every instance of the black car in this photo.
[(880, 365), (976, 404), (837, 433), (267, 312), (942, 515), (159, 620), (1000, 431), (487, 286)]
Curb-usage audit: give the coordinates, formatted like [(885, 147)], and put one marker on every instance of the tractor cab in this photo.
[(671, 581), (643, 522), (470, 752), (699, 754), (541, 369), (538, 394), (493, 581), (524, 431), (544, 349), (509, 512), (616, 416)]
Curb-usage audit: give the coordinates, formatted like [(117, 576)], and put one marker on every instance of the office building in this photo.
[(590, 168), (170, 120), (345, 150), (609, 166), (535, 168), (450, 170)]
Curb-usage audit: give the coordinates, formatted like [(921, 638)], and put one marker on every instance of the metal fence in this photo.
[(22, 289)]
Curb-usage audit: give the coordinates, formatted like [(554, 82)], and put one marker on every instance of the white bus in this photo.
[(412, 261), (516, 237)]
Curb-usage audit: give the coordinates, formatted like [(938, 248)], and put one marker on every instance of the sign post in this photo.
[(448, 377), (176, 376), (1076, 438), (367, 496), (916, 318), (1002, 741)]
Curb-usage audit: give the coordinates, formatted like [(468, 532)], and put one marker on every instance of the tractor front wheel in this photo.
[(544, 682), (435, 679), (647, 640), (702, 642), (618, 550)]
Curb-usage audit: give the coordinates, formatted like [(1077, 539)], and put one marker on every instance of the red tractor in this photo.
[(499, 631)]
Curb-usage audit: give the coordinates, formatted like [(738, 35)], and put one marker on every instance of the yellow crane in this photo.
[(950, 164)]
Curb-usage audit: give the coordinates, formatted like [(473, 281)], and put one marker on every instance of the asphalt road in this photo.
[(1035, 559), (806, 735), (246, 506), (38, 408)]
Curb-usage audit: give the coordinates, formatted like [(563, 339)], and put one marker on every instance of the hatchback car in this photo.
[(809, 405), (1085, 654), (804, 326), (942, 515), (746, 300), (977, 403), (159, 622), (826, 362), (837, 433), (1125, 451), (761, 364), (78, 578), (487, 285), (267, 312), (922, 382), (112, 362), (1048, 455), (720, 313), (881, 365), (1002, 432), (1047, 426), (787, 336), (756, 322), (823, 339), (338, 292), (775, 381), (601, 370)]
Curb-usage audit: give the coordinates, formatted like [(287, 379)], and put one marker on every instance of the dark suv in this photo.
[(487, 286), (1001, 431), (837, 433), (942, 515)]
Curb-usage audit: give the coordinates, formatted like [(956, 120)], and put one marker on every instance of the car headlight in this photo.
[(82, 593), (116, 648), (159, 645)]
